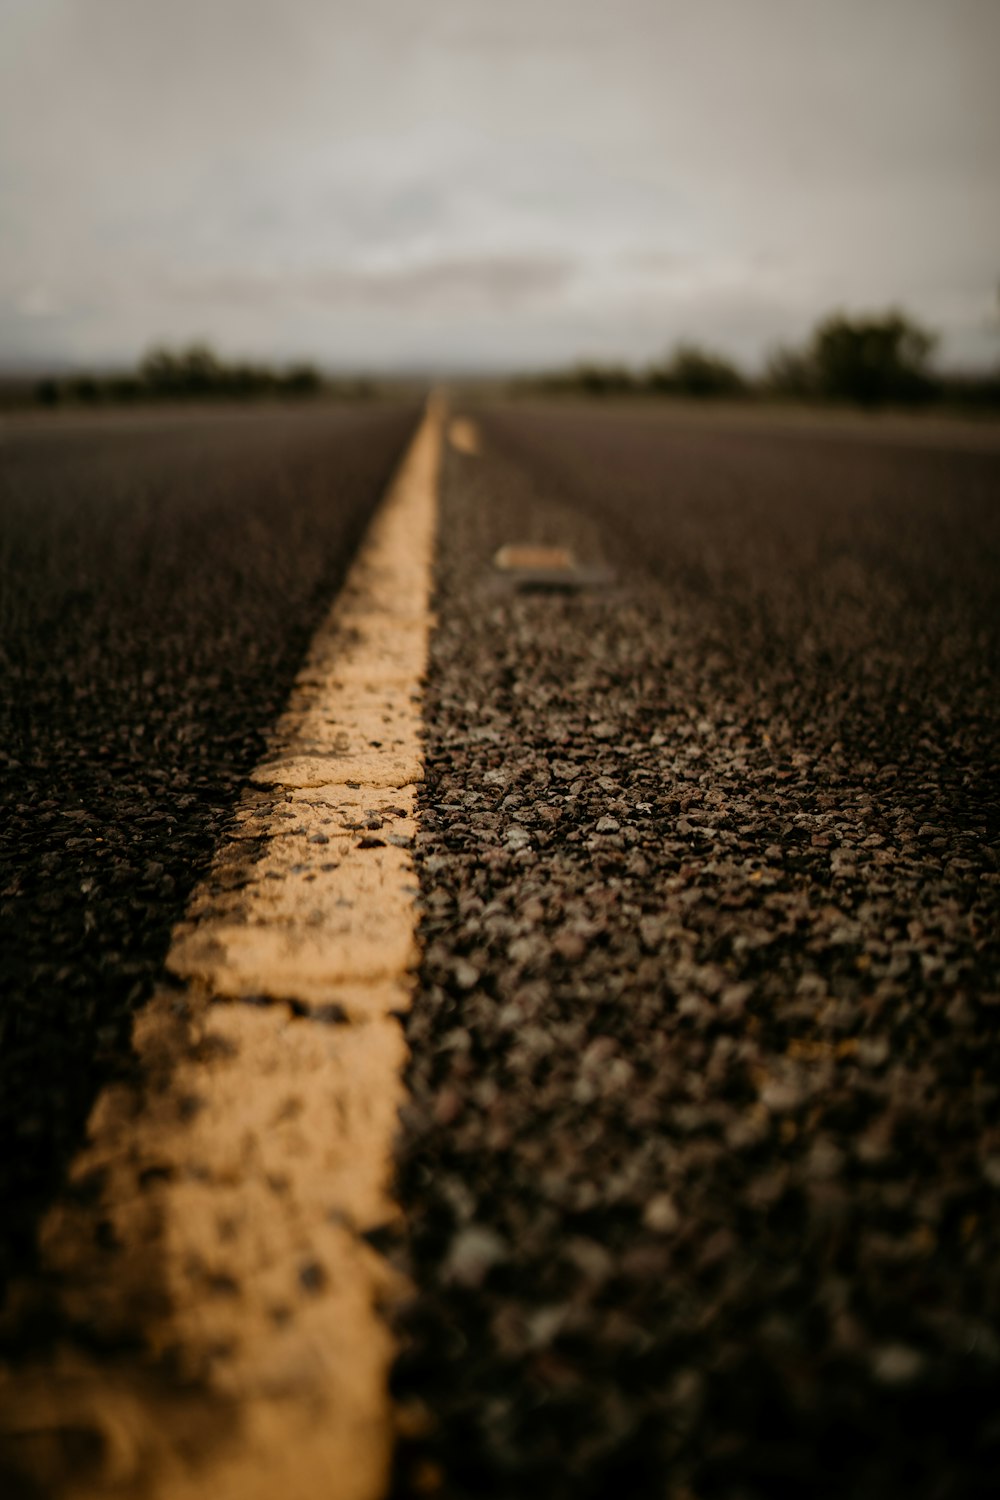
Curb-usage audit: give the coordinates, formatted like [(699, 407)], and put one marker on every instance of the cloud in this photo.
[(499, 283), (502, 283), (37, 302), (474, 178)]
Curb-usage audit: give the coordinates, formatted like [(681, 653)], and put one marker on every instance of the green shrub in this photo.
[(872, 360), (694, 371)]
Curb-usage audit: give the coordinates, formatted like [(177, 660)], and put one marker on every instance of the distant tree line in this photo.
[(872, 361), (195, 373)]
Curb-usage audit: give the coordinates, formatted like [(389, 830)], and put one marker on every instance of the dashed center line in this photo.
[(463, 435), (216, 1217)]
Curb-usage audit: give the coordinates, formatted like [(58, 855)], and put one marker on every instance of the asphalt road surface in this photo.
[(701, 1169), (702, 1165), (160, 577)]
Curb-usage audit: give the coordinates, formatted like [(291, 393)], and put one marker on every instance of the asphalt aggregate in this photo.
[(160, 577), (701, 1169)]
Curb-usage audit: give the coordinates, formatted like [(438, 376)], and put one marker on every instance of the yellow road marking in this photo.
[(463, 435), (218, 1210), (529, 556)]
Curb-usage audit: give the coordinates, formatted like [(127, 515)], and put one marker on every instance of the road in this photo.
[(700, 1172), (160, 576), (701, 1169)]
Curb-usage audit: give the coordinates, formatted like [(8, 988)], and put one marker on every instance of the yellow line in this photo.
[(218, 1209), (463, 435)]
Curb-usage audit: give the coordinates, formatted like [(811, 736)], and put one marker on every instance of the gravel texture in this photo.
[(702, 1164), (160, 578)]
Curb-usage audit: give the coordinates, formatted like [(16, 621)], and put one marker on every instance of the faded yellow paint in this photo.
[(217, 1215), (528, 556), (463, 435)]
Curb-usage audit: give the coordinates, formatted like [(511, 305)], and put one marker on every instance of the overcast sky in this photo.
[(493, 183)]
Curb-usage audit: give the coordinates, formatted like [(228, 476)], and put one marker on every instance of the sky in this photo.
[(493, 184)]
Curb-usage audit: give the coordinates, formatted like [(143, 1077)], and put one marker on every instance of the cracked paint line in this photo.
[(218, 1219)]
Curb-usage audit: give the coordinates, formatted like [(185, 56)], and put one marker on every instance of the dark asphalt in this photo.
[(160, 577), (702, 1165)]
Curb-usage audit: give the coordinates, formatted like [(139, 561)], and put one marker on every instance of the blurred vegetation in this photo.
[(689, 371), (693, 371), (872, 361), (879, 360), (869, 361), (195, 373)]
